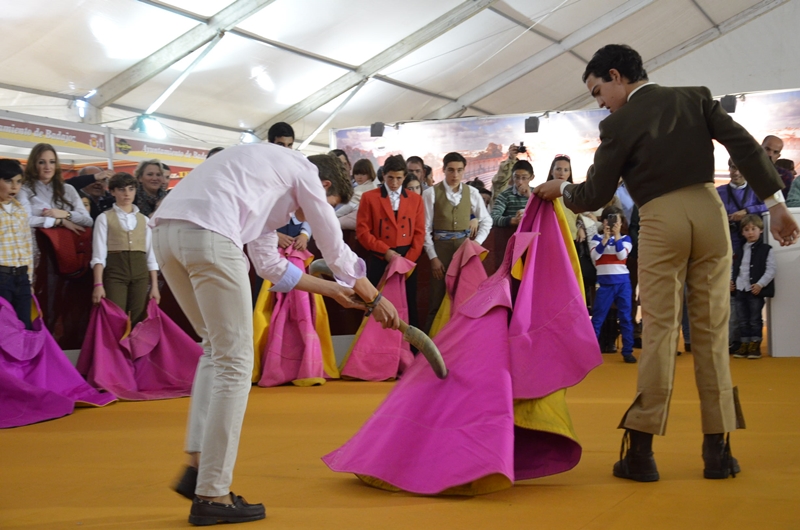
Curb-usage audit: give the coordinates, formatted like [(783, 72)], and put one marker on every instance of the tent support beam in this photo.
[(157, 62), (692, 44), (431, 31), (538, 59)]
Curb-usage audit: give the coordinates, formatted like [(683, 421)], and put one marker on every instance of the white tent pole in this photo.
[(332, 115)]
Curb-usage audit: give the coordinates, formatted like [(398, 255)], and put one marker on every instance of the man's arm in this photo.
[(793, 199), (418, 238), (481, 214), (364, 227), (499, 209), (427, 200)]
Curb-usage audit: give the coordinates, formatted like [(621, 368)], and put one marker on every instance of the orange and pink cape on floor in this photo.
[(501, 415)]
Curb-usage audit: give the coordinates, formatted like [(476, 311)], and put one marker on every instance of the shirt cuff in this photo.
[(775, 199), (49, 222), (564, 185), (290, 278), (360, 271)]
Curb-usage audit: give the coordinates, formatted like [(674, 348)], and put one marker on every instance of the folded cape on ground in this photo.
[(292, 335), (37, 381), (492, 421), (156, 360), (379, 354)]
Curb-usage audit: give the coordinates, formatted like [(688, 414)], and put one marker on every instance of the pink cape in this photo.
[(157, 360), (431, 436), (379, 354), (293, 350), (37, 381)]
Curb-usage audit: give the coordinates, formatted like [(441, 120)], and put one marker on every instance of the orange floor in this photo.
[(110, 468)]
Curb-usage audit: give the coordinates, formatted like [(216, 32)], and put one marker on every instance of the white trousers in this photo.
[(207, 274)]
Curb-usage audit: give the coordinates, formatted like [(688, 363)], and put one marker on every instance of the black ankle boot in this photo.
[(719, 462), (637, 463)]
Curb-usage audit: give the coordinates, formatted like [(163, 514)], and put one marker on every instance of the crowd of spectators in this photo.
[(398, 210)]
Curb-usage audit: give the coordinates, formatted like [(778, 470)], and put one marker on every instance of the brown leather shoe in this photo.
[(719, 462), (207, 513), (637, 463)]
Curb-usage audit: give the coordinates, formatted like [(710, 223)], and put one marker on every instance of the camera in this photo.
[(522, 149), (612, 219)]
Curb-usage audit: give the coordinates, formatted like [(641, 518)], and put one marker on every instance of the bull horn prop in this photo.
[(411, 334)]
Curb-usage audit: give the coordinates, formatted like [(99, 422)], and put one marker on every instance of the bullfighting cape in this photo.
[(292, 336), (155, 360), (465, 273), (37, 381), (378, 354), (501, 414)]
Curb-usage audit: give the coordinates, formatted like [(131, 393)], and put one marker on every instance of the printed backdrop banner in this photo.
[(484, 140), (26, 133), (127, 147)]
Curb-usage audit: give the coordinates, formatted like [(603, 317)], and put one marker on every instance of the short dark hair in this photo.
[(752, 219), (394, 163), (523, 165), (477, 184), (213, 152), (121, 180), (485, 191), (609, 210), (453, 157), (279, 129), (415, 160), (10, 168), (620, 57), (785, 163), (409, 179), (364, 167), (330, 169)]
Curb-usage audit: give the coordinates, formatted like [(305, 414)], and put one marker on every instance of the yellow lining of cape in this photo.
[(262, 315)]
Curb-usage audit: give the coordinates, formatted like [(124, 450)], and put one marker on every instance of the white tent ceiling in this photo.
[(298, 59)]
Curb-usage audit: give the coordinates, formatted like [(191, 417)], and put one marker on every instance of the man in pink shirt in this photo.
[(241, 196)]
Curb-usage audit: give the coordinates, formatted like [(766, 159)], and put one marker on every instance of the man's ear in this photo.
[(326, 184)]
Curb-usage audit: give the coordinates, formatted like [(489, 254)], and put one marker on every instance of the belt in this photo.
[(14, 271), (444, 235)]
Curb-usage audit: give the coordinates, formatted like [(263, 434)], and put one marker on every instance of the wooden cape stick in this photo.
[(411, 334)]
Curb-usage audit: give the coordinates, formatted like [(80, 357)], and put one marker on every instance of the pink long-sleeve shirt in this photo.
[(246, 192)]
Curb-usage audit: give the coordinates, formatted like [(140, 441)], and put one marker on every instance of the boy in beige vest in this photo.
[(122, 254), (449, 205)]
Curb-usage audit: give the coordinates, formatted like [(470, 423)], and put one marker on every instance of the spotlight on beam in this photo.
[(729, 104), (376, 129)]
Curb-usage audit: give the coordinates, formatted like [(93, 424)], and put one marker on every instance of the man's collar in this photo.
[(635, 90), (734, 186)]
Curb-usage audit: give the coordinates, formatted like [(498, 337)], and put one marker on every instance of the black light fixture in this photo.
[(532, 124), (728, 104), (376, 129)]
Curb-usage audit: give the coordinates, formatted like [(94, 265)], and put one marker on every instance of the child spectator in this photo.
[(364, 176), (510, 204), (16, 254), (122, 253), (412, 183), (753, 274), (610, 253)]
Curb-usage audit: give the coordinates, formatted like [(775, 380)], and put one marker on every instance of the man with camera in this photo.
[(502, 179)]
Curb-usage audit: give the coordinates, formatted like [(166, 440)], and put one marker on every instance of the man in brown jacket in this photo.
[(659, 140)]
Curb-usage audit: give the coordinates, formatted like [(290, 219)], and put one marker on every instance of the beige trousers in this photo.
[(207, 274), (684, 238)]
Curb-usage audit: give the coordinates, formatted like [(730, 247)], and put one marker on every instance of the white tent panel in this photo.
[(759, 56), (24, 103), (464, 57), (567, 18), (76, 50), (239, 82), (653, 30), (719, 11), (549, 84), (349, 31)]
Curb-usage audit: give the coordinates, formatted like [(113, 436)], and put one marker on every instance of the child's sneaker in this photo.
[(754, 351), (741, 353), (630, 359)]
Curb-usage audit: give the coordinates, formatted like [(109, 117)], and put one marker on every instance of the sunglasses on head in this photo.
[(563, 156)]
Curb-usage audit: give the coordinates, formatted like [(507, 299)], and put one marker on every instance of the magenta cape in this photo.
[(464, 275), (157, 360), (379, 354), (475, 431), (37, 381), (293, 351)]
